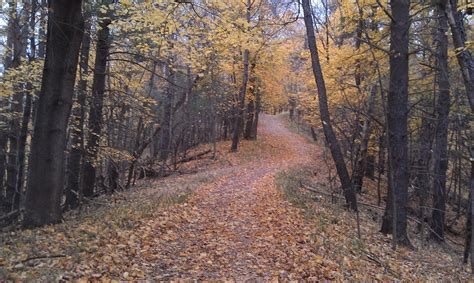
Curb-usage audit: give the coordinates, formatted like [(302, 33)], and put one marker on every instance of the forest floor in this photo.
[(241, 216)]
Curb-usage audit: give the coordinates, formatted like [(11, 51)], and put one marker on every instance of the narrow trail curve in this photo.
[(239, 227)]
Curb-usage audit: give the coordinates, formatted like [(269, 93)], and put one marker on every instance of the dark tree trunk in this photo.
[(95, 114), (26, 109), (239, 111), (455, 20), (469, 244), (423, 155), (249, 120), (440, 149), (471, 215), (258, 108), (42, 26), (45, 182), (361, 163), (166, 120), (248, 131), (397, 121), (331, 139), (73, 191)]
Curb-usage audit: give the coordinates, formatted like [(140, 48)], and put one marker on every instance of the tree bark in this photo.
[(361, 163), (74, 191), (258, 108), (463, 55), (331, 138), (248, 132), (440, 149), (95, 114), (20, 26), (166, 120), (397, 121), (45, 182), (5, 194), (239, 111), (23, 136)]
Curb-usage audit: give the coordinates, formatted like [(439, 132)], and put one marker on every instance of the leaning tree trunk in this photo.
[(397, 122), (95, 115), (464, 57), (45, 182), (440, 148), (331, 139)]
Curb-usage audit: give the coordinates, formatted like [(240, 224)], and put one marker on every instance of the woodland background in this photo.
[(97, 95)]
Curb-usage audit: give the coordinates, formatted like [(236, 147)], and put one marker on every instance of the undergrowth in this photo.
[(371, 257)]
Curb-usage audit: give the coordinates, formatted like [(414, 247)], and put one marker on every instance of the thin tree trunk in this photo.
[(26, 109), (361, 163), (95, 116), (20, 33), (74, 191), (166, 120), (6, 195), (243, 90), (248, 132), (45, 182), (258, 107), (463, 55), (331, 138)]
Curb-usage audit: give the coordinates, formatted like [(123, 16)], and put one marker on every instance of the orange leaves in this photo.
[(236, 226)]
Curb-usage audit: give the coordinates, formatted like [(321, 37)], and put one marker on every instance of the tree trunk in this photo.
[(361, 163), (423, 154), (397, 120), (249, 120), (331, 138), (248, 132), (258, 108), (166, 120), (22, 139), (239, 111), (20, 25), (6, 195), (455, 20), (74, 191), (45, 182), (95, 114), (440, 149)]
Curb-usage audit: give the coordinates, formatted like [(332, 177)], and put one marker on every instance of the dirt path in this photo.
[(234, 226), (239, 227)]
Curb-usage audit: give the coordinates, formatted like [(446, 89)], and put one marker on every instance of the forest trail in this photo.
[(235, 225), (240, 227)]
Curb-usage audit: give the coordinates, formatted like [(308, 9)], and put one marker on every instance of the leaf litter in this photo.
[(225, 222)]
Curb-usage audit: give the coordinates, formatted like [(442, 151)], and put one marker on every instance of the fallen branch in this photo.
[(9, 215), (40, 257), (375, 259), (193, 157)]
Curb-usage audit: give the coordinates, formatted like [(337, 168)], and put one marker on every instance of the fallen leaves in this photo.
[(236, 226)]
